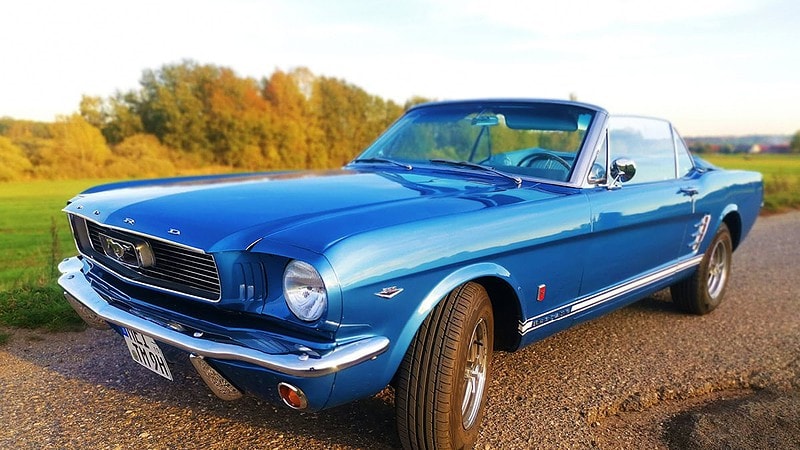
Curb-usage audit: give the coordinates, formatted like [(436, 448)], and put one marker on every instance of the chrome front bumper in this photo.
[(78, 289)]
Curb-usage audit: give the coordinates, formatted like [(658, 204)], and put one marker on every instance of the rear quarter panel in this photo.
[(730, 193)]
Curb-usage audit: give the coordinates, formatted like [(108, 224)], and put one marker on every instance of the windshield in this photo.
[(538, 140)]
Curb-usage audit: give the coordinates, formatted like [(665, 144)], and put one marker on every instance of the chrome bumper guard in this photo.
[(76, 286), (218, 384)]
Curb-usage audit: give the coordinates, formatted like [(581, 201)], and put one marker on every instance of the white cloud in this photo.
[(586, 16)]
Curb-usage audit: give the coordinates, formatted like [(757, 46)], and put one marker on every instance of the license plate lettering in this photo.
[(145, 351)]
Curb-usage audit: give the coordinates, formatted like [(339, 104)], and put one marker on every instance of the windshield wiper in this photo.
[(383, 160), (472, 165)]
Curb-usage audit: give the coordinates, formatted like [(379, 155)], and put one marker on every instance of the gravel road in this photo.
[(642, 377)]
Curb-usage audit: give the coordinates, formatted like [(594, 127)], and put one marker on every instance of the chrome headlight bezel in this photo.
[(304, 291)]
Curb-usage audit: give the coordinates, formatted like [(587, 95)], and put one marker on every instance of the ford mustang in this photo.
[(467, 227)]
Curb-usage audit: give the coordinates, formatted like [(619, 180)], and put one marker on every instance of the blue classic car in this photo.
[(467, 227)]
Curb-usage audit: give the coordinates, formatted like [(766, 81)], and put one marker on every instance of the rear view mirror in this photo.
[(485, 120), (622, 170), (546, 120)]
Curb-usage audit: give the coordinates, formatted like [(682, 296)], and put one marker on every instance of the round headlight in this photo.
[(304, 291)]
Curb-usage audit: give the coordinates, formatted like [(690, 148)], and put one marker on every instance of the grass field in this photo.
[(35, 236), (28, 214), (781, 177)]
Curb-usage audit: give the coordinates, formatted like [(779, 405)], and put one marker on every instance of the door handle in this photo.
[(690, 191)]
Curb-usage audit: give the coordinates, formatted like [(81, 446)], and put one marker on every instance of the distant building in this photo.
[(776, 148), (744, 144), (764, 148)]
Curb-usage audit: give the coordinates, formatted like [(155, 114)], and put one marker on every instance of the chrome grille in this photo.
[(176, 268), (182, 266)]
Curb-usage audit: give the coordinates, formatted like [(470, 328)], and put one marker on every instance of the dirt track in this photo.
[(642, 377)]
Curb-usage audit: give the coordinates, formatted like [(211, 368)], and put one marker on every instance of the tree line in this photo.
[(191, 117)]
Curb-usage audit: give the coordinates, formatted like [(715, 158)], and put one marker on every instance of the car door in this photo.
[(638, 227)]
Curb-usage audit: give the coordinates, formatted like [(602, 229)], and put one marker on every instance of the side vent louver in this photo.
[(252, 281)]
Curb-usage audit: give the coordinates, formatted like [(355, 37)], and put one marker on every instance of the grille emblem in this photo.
[(132, 254), (117, 248)]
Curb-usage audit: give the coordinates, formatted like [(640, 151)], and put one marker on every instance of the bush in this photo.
[(14, 165), (39, 307), (141, 156)]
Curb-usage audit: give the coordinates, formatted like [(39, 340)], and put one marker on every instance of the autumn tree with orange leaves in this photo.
[(188, 116)]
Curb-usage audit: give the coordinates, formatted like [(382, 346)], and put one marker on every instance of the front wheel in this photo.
[(702, 292), (440, 391)]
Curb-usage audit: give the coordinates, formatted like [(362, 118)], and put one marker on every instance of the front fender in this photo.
[(436, 295), (372, 376)]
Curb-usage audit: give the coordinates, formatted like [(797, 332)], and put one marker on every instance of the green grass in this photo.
[(781, 176), (38, 307), (27, 214), (34, 237)]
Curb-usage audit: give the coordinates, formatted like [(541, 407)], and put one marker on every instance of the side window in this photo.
[(648, 142), (685, 162)]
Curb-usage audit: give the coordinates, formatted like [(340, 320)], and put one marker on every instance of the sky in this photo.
[(712, 67)]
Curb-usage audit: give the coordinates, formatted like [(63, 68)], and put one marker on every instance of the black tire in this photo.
[(703, 291), (432, 405)]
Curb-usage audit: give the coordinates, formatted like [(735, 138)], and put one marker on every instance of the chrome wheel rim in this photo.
[(475, 371), (717, 270)]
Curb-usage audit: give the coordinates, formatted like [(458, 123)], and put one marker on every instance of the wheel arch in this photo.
[(731, 218), (498, 283), (507, 312)]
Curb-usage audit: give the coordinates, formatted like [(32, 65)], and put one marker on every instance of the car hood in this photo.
[(312, 210)]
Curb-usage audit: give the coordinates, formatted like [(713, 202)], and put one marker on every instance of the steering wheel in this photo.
[(530, 159)]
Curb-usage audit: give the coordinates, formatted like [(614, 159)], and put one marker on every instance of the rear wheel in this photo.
[(441, 385), (702, 292)]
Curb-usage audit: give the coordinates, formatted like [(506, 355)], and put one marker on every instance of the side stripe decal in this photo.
[(586, 302)]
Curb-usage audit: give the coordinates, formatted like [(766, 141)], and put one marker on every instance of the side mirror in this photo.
[(622, 170)]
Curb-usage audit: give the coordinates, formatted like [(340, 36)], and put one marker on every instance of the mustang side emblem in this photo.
[(389, 292)]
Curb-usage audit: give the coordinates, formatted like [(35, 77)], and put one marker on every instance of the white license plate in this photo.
[(145, 351)]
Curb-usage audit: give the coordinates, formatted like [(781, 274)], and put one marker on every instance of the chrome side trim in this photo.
[(701, 228), (253, 244), (582, 304), (77, 286)]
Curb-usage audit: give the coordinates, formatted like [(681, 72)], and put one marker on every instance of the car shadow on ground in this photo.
[(660, 302)]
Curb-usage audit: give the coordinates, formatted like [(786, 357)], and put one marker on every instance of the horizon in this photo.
[(713, 68)]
